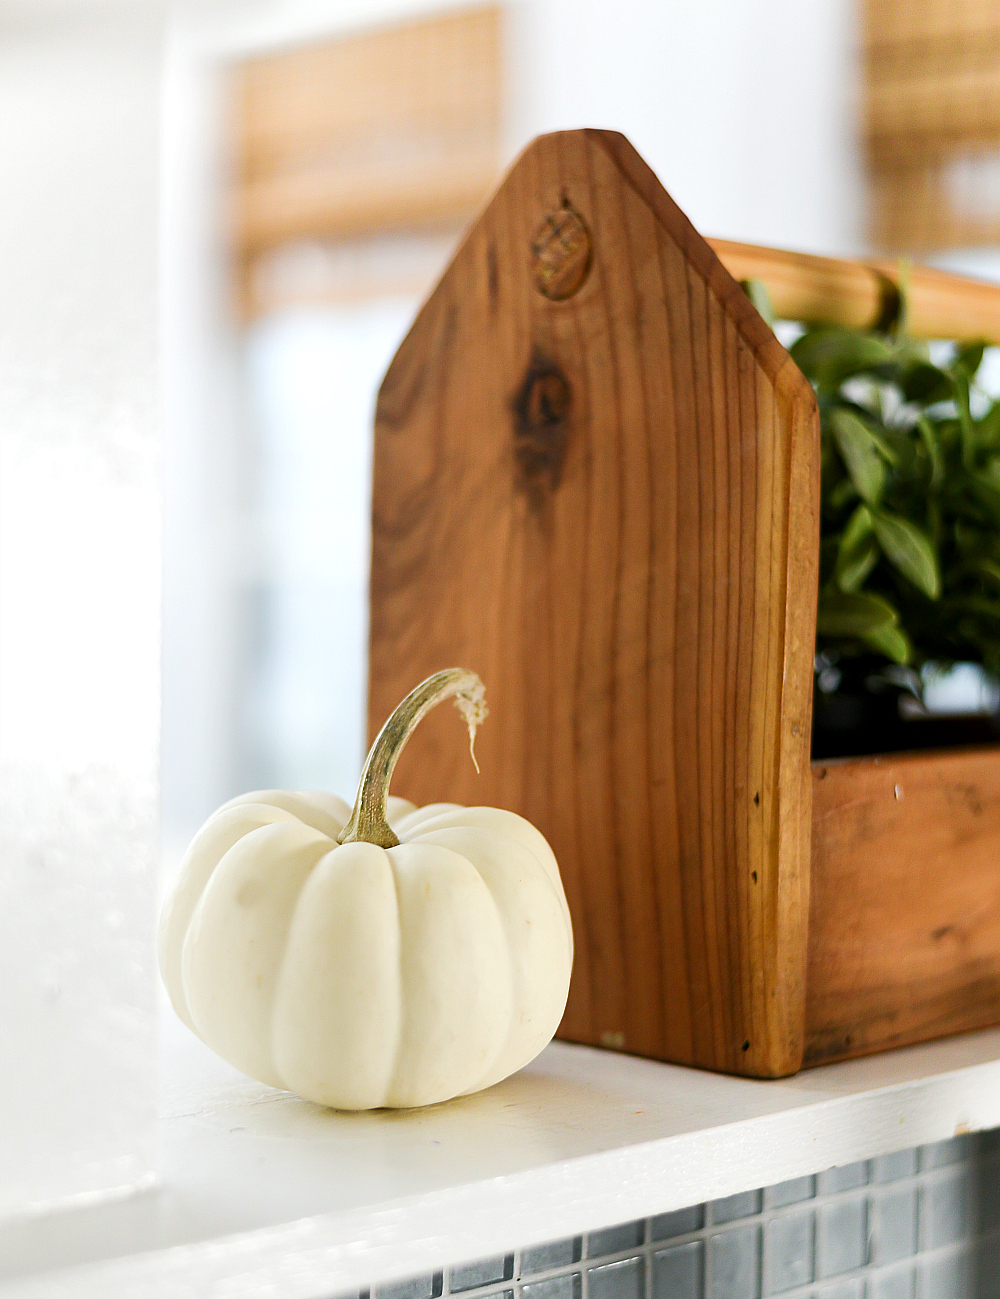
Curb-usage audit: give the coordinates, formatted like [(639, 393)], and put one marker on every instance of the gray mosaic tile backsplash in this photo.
[(919, 1224)]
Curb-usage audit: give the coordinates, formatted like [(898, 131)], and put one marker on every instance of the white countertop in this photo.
[(264, 1194)]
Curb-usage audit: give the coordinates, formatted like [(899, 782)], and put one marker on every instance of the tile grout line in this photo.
[(973, 1162)]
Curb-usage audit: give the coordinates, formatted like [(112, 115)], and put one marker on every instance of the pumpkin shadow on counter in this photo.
[(521, 1103), (295, 1158)]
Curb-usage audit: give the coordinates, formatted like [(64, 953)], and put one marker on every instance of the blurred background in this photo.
[(321, 163)]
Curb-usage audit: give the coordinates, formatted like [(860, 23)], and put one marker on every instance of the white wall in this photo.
[(79, 674), (202, 484), (744, 109)]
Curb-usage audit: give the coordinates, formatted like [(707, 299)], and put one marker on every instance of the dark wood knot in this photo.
[(541, 409)]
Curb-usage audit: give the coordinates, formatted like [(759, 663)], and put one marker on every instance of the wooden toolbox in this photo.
[(596, 482)]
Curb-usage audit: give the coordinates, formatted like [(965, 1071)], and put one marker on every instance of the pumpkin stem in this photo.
[(369, 823)]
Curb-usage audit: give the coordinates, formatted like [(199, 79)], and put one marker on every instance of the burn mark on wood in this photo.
[(541, 415)]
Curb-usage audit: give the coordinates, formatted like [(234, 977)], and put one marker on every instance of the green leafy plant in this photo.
[(910, 531)]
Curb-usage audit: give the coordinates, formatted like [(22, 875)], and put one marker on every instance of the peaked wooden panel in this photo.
[(596, 483)]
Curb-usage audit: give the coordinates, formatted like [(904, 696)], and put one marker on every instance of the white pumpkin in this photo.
[(370, 960)]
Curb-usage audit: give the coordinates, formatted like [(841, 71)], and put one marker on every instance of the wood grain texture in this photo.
[(904, 931), (607, 505)]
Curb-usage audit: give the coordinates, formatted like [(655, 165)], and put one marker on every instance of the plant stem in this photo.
[(369, 823)]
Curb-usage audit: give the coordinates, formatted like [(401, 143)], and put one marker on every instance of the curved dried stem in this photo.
[(369, 822)]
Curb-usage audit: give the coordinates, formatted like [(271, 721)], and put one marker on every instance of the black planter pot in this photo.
[(862, 716)]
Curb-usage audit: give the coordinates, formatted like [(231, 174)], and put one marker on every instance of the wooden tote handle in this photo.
[(863, 295)]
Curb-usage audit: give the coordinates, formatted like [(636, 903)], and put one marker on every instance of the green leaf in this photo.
[(984, 489), (910, 474), (844, 492), (756, 291), (926, 383), (909, 550), (852, 571), (828, 356), (860, 453), (929, 438), (884, 446), (966, 424), (969, 358), (989, 428), (853, 614), (892, 642), (991, 570), (967, 540), (858, 551), (856, 529), (980, 605)]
